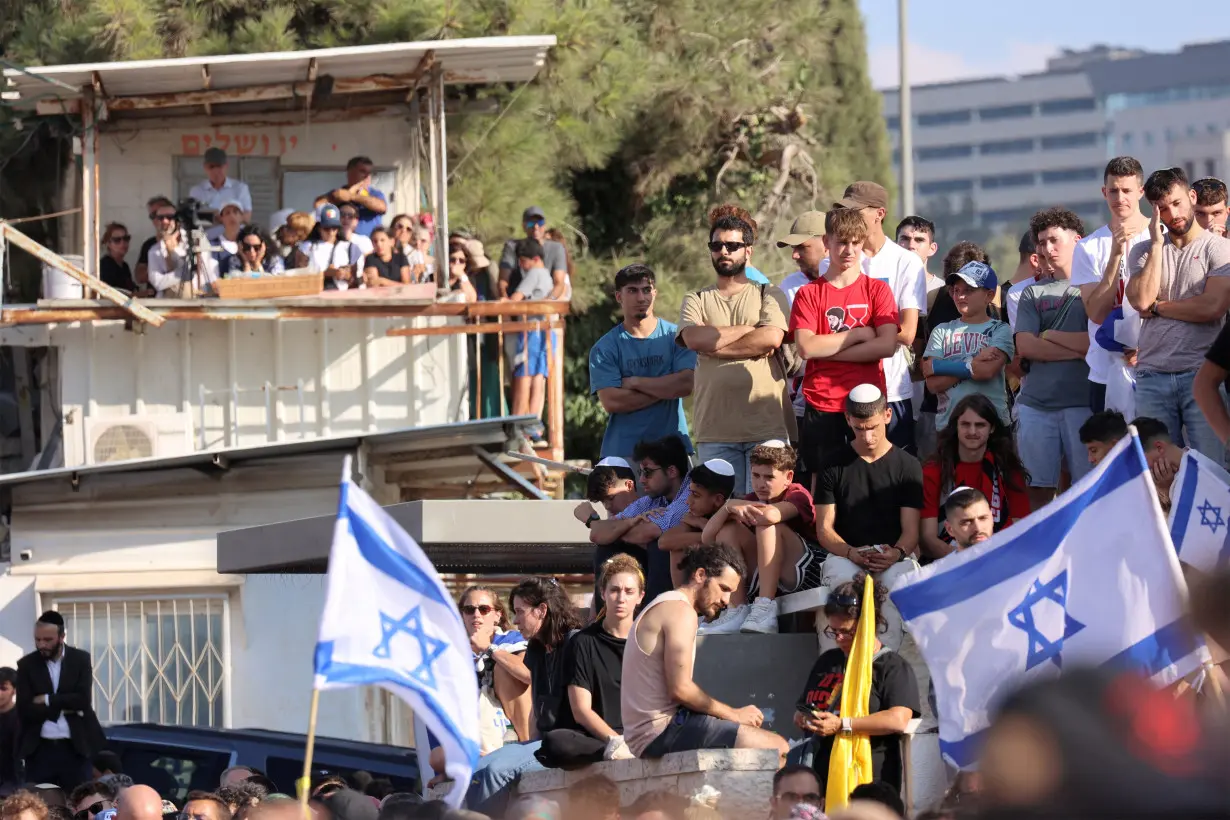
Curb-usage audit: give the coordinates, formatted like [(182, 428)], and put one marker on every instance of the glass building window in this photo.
[(1062, 141), (1016, 146)]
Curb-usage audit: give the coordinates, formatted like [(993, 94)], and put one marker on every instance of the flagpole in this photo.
[(305, 782)]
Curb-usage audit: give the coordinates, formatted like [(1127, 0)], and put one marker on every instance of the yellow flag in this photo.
[(850, 761)]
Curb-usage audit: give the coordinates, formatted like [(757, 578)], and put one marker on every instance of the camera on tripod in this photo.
[(190, 212)]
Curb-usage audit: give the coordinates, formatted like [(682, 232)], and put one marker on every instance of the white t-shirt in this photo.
[(906, 277), (1088, 263), (1014, 298), (790, 286), (363, 243)]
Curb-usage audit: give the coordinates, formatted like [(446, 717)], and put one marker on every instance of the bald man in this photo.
[(138, 803)]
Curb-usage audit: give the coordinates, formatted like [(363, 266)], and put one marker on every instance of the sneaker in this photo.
[(728, 623), (762, 617)]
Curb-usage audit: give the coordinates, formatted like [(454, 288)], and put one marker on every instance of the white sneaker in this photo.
[(762, 617), (728, 623)]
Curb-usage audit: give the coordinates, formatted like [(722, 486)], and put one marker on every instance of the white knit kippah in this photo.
[(775, 443), (614, 461), (720, 466), (865, 394)]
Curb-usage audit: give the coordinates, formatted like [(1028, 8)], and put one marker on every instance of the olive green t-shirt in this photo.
[(738, 400)]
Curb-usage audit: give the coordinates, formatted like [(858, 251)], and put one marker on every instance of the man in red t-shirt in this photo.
[(774, 527), (843, 324)]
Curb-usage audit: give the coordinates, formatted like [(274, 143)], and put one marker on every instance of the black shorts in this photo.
[(689, 731), (819, 435)]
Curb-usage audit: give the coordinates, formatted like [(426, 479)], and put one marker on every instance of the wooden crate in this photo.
[(270, 287)]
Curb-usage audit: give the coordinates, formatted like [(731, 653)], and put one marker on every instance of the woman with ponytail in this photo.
[(590, 726), (894, 697)]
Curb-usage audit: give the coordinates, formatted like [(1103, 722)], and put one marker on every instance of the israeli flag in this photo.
[(1200, 513), (389, 621), (1091, 579)]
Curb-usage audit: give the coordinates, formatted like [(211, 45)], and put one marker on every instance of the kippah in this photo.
[(775, 443), (52, 617), (720, 466), (614, 461), (865, 394)]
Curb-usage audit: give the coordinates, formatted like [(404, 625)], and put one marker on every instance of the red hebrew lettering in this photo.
[(245, 143), (190, 145)]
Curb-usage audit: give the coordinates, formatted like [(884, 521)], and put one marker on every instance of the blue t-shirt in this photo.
[(753, 275), (618, 355), (369, 220)]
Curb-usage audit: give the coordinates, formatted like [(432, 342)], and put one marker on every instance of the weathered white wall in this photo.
[(353, 377), (136, 165)]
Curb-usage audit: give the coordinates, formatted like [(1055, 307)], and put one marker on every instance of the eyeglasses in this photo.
[(93, 808), (481, 609), (834, 634), (646, 472), (535, 223), (124, 238), (248, 246), (731, 247), (795, 797)]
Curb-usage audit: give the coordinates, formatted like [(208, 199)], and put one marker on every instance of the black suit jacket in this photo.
[(73, 700)]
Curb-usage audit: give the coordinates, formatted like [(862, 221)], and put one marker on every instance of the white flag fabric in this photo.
[(1091, 579), (1200, 513), (389, 621)]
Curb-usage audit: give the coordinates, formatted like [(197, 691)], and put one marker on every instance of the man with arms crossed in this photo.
[(663, 709)]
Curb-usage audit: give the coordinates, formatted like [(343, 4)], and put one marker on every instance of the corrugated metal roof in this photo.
[(477, 60), (459, 433)]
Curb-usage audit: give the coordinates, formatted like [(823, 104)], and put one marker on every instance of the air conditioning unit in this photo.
[(123, 438)]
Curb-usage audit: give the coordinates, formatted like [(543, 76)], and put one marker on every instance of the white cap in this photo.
[(865, 394), (775, 443), (614, 461), (231, 203), (720, 466)]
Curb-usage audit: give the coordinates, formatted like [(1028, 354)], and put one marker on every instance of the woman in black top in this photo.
[(254, 257), (590, 725), (112, 268), (385, 266), (894, 700)]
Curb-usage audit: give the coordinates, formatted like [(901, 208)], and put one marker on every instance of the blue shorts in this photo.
[(531, 355), (689, 731)]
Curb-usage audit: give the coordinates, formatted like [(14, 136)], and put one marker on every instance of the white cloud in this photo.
[(932, 65)]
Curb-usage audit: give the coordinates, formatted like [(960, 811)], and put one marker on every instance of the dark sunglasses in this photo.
[(401, 226), (535, 223), (93, 808), (481, 609), (164, 216), (457, 260), (731, 247), (124, 238), (248, 246)]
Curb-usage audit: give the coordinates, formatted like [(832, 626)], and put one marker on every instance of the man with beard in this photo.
[(59, 730), (637, 370), (1181, 286), (663, 709), (968, 518), (735, 328)]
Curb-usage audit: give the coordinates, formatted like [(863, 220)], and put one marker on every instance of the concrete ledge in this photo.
[(743, 776)]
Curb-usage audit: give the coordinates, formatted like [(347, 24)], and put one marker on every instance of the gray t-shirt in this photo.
[(553, 259), (535, 283), (1053, 385), (1171, 345)]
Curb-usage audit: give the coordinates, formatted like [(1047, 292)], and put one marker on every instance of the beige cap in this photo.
[(863, 194), (809, 225)]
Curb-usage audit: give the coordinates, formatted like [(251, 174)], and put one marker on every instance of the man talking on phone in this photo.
[(869, 500)]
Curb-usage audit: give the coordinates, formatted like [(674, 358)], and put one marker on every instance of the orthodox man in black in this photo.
[(59, 730)]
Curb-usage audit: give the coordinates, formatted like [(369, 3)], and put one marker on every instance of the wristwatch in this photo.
[(589, 522), (845, 725), (1153, 309)]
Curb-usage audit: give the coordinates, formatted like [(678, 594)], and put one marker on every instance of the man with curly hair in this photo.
[(1052, 338)]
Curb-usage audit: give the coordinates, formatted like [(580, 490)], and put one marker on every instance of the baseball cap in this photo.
[(809, 225), (478, 253), (347, 804), (231, 203), (976, 275), (533, 212), (863, 194), (215, 156), (330, 217)]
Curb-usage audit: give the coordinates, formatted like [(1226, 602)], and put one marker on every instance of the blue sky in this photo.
[(954, 39)]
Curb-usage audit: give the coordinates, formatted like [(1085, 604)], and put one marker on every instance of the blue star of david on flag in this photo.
[(1041, 648), (1210, 516), (429, 648)]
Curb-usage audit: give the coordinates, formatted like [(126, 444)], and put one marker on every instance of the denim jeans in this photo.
[(737, 453), (901, 428), (1167, 397), (497, 772), (1047, 439)]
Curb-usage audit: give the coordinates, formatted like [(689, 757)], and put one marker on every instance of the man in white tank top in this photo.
[(663, 709)]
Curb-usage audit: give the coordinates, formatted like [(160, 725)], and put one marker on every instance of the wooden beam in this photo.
[(311, 72), (121, 299), (426, 63), (472, 330), (516, 481), (206, 81)]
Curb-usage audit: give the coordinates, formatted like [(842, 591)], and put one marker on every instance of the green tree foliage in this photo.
[(647, 114)]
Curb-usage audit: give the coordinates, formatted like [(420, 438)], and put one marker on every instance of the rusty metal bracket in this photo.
[(123, 300)]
